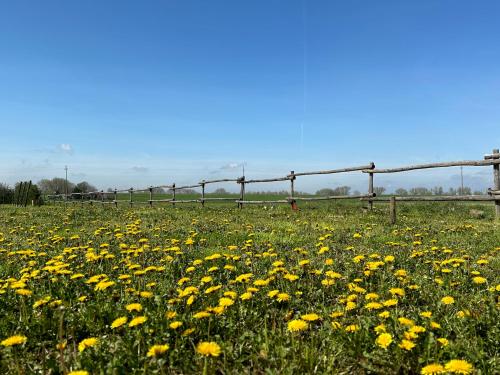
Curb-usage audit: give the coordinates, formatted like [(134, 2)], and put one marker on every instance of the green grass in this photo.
[(438, 246)]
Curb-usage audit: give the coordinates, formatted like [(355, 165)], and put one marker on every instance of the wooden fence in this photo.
[(493, 195)]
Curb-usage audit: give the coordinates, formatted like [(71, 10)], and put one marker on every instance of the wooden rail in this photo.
[(493, 195)]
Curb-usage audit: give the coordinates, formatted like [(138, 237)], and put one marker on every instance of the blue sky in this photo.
[(138, 93)]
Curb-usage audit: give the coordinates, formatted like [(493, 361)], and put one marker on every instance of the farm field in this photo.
[(327, 289)]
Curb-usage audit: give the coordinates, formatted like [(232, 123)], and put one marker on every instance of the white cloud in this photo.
[(66, 148)]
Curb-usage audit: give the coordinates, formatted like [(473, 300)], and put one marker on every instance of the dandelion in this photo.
[(246, 296), (175, 325), (14, 340), (118, 322), (384, 340), (137, 321), (432, 369), (310, 317), (201, 315), (282, 297), (208, 349), (443, 341), (458, 366), (87, 343), (479, 280), (407, 345), (225, 302), (352, 328), (297, 325), (448, 300), (134, 307), (157, 350), (78, 372)]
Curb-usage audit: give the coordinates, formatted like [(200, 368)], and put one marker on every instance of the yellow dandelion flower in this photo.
[(225, 302), (201, 315), (134, 307), (310, 317), (407, 345), (448, 300), (458, 366), (137, 321), (479, 280), (157, 350), (14, 340), (175, 325), (297, 325), (118, 322), (208, 349), (443, 341), (87, 343), (78, 372), (384, 340), (352, 328), (282, 297), (432, 369)]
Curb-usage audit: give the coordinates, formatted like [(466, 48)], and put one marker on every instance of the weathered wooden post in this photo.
[(150, 196), (16, 196), (116, 198), (173, 194), (392, 209), (102, 197), (293, 203), (203, 193), (370, 190), (130, 191), (496, 181), (241, 181)]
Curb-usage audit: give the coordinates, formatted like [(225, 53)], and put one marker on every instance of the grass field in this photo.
[(331, 288)]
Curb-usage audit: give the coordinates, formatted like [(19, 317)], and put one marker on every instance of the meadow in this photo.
[(331, 288)]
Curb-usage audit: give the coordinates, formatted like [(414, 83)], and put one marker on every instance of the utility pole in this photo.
[(66, 187)]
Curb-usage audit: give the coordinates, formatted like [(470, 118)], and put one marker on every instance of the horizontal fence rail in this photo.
[(489, 160)]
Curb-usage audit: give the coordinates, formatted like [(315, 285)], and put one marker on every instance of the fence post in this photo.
[(102, 197), (130, 191), (293, 203), (150, 196), (241, 181), (370, 190), (392, 209), (203, 193), (16, 196), (496, 182), (173, 194), (116, 198)]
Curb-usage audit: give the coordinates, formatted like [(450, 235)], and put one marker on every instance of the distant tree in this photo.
[(325, 192), (342, 190), (437, 190), (85, 187), (478, 192), (452, 191), (220, 191), (6, 194), (56, 185), (401, 192), (379, 190), (356, 193), (420, 191), (465, 191)]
